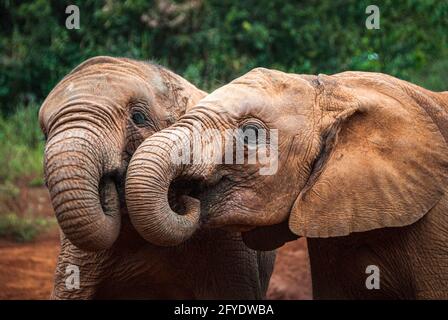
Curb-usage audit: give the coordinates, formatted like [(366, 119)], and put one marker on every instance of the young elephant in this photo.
[(362, 172), (93, 120)]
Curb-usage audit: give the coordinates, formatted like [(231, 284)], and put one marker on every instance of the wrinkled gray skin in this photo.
[(93, 121), (362, 173)]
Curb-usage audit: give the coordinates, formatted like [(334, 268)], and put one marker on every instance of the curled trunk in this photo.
[(85, 204), (149, 177)]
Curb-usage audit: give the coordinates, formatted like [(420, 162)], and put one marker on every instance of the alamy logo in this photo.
[(252, 146), (72, 280), (373, 20), (72, 21), (373, 280)]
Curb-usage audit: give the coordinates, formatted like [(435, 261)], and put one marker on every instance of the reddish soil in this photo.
[(291, 279), (26, 269)]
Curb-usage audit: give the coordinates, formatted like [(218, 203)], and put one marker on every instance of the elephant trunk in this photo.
[(86, 203), (149, 176)]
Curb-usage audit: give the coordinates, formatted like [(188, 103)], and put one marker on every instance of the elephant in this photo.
[(361, 171), (93, 121)]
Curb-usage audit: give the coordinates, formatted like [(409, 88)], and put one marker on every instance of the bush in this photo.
[(23, 229), (214, 41), (21, 146)]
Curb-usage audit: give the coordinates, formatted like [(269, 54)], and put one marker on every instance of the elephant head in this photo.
[(356, 151), (93, 121)]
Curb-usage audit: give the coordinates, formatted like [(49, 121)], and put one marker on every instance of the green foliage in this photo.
[(213, 41), (8, 190), (21, 146), (37, 181), (210, 42), (23, 229)]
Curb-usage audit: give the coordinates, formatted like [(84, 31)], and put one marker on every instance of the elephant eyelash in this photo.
[(144, 121), (251, 120)]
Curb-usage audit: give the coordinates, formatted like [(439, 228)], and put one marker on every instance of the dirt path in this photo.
[(26, 270)]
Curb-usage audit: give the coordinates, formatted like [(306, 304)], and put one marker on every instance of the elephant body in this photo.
[(93, 121), (213, 264), (360, 170), (412, 261)]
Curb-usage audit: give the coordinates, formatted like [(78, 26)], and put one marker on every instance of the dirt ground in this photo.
[(26, 269), (291, 279)]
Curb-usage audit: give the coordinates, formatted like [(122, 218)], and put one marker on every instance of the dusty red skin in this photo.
[(94, 119), (362, 173)]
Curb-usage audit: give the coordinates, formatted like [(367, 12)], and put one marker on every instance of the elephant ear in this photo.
[(382, 162)]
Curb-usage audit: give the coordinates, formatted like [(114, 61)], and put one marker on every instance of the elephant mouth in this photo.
[(112, 194), (182, 188), (210, 195)]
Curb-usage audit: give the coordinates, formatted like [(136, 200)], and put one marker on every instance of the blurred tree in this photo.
[(212, 41)]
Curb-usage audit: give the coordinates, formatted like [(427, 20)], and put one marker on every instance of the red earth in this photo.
[(26, 269)]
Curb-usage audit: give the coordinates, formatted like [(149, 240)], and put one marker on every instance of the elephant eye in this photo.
[(139, 118), (252, 134)]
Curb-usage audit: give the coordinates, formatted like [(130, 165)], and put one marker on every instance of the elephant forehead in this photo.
[(108, 82), (238, 100), (282, 109), (157, 82)]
